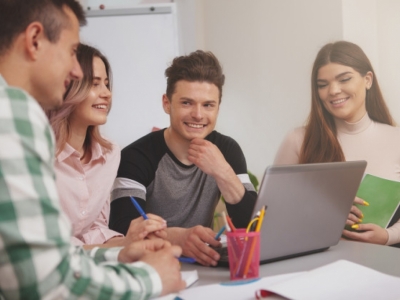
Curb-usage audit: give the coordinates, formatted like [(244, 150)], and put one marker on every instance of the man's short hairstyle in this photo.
[(16, 15), (197, 66)]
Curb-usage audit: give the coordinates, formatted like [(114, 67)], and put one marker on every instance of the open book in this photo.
[(339, 280), (383, 196)]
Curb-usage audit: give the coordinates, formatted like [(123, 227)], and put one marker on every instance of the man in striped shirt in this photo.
[(38, 41), (180, 172)]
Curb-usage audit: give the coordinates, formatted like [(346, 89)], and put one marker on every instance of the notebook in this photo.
[(383, 196), (307, 207)]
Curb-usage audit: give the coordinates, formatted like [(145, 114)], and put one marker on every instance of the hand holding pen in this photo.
[(139, 208), (146, 217), (153, 227), (164, 261), (218, 235), (356, 216), (150, 226), (198, 242)]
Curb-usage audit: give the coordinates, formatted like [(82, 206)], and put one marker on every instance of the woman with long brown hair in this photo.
[(349, 120), (86, 163)]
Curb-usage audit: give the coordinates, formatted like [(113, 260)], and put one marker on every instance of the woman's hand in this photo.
[(355, 215), (368, 233), (153, 227), (135, 251)]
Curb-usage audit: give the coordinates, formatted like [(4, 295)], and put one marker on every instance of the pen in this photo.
[(258, 227), (227, 227), (252, 225), (139, 209), (188, 260), (143, 214), (220, 232), (233, 228)]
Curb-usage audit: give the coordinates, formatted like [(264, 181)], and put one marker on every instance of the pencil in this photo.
[(228, 228), (220, 232), (253, 244), (229, 220)]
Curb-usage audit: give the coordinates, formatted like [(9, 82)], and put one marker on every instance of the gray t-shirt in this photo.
[(183, 195)]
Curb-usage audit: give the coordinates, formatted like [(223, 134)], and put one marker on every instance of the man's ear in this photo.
[(166, 104), (34, 38)]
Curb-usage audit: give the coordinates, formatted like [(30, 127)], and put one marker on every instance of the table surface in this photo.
[(381, 258)]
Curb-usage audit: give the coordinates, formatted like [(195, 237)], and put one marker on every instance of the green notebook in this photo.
[(383, 196)]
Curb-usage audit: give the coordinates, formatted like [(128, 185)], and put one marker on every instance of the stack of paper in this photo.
[(189, 277), (339, 280)]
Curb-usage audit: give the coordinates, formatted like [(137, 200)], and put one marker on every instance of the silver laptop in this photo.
[(307, 207)]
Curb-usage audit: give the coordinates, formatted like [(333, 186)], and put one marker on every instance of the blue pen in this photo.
[(139, 209), (188, 260), (220, 232), (143, 214)]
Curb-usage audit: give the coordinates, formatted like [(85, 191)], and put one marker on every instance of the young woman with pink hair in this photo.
[(86, 163)]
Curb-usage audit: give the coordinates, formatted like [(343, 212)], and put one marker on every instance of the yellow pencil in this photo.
[(259, 223), (253, 244)]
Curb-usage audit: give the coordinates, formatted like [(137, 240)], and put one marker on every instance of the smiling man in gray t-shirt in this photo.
[(180, 172)]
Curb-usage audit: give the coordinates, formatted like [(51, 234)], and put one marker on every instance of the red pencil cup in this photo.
[(244, 254)]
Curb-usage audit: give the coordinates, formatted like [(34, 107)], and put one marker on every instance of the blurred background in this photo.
[(266, 47)]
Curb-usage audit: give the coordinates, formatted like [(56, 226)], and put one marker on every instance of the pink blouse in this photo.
[(85, 192)]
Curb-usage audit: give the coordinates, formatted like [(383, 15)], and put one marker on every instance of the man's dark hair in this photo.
[(16, 15), (197, 66)]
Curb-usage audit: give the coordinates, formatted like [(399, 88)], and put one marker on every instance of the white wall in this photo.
[(138, 57), (375, 26), (388, 12), (190, 25), (360, 26), (267, 48)]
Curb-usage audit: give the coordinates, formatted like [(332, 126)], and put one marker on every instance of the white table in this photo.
[(381, 258)]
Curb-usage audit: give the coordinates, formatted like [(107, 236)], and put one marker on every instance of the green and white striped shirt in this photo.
[(37, 260)]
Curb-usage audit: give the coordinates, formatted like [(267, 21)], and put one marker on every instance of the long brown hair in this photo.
[(320, 141), (76, 93)]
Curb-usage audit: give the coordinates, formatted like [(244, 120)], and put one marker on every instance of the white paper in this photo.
[(238, 290), (189, 277), (339, 280)]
